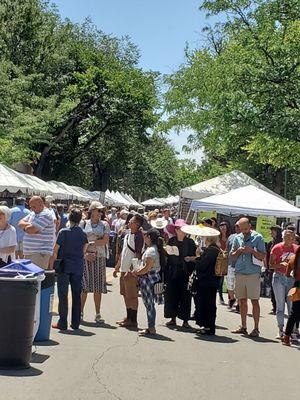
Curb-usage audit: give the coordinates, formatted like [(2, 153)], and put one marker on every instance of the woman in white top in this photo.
[(8, 237), (94, 273), (153, 260)]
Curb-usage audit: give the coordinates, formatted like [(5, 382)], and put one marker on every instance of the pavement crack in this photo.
[(101, 357)]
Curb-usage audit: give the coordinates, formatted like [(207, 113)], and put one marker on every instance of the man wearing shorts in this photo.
[(132, 248), (249, 252)]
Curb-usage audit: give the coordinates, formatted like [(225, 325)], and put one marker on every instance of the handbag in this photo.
[(58, 266), (294, 294)]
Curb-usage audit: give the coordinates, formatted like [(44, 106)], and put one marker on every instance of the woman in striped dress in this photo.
[(94, 274)]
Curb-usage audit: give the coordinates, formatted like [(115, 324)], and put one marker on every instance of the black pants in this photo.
[(178, 298), (63, 281), (220, 288), (293, 318), (206, 309)]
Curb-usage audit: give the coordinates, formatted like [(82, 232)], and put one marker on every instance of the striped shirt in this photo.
[(42, 241)]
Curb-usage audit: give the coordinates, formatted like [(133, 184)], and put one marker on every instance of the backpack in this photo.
[(221, 267)]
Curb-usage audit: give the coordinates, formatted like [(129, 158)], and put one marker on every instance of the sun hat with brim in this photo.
[(159, 223), (179, 223), (197, 230), (96, 205)]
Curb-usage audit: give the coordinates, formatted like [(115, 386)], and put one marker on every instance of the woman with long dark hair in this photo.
[(153, 261), (224, 228), (276, 234)]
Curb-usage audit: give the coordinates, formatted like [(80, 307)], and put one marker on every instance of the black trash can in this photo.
[(17, 307)]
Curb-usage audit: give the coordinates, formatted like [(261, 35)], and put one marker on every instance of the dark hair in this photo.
[(128, 218), (157, 240), (208, 221), (60, 208), (290, 228), (75, 215), (278, 230), (140, 219), (214, 219), (20, 201), (228, 228)]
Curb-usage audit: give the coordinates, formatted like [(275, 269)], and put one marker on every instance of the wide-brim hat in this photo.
[(159, 223), (96, 205), (203, 231)]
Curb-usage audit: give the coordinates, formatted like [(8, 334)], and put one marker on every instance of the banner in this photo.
[(206, 214), (263, 226)]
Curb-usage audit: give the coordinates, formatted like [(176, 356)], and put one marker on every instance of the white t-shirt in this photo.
[(152, 252), (8, 237), (127, 255)]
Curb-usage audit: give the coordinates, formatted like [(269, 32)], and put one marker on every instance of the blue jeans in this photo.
[(63, 281), (281, 286)]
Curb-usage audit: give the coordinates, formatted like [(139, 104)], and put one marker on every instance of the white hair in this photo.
[(5, 211)]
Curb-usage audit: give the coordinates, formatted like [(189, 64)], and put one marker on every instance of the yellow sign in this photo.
[(263, 226), (207, 214)]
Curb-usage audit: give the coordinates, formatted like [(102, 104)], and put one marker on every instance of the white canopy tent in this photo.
[(221, 184), (152, 203), (248, 200), (13, 181)]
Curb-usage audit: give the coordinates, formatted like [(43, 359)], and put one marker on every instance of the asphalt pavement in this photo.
[(107, 362)]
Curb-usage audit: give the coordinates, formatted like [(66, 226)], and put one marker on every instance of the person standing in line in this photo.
[(294, 317), (153, 261), (94, 273), (8, 237), (207, 285), (132, 249), (71, 246), (179, 267), (279, 259), (62, 215), (231, 269), (17, 213), (39, 234), (276, 234), (249, 252), (224, 228)]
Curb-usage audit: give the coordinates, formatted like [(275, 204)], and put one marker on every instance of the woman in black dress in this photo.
[(176, 275), (207, 285)]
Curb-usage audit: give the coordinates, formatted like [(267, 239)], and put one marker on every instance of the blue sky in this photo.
[(160, 28)]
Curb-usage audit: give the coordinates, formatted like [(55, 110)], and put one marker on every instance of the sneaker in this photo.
[(254, 333), (98, 318), (286, 340)]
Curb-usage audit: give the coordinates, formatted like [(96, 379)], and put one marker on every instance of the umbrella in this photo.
[(197, 230)]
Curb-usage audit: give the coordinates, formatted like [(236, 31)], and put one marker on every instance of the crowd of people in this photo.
[(152, 255)]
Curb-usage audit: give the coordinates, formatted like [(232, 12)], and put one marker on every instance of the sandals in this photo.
[(240, 331), (147, 332), (254, 333)]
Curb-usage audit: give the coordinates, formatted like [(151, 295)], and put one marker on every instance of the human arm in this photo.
[(102, 242), (117, 268), (148, 265), (290, 266), (54, 255)]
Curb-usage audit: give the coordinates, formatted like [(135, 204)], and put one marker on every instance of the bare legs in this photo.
[(97, 301)]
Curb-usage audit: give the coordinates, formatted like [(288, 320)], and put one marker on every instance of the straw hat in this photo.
[(96, 205), (159, 223)]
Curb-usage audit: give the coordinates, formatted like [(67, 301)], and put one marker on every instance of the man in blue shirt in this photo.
[(17, 213), (249, 252)]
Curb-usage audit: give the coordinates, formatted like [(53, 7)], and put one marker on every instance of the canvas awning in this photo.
[(248, 200)]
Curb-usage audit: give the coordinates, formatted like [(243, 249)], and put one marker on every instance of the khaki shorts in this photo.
[(247, 286), (40, 259), (129, 286)]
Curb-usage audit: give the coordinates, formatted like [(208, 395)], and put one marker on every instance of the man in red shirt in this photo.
[(280, 256)]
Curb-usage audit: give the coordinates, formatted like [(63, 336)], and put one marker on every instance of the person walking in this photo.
[(71, 246), (177, 272), (207, 285), (132, 249), (8, 237), (39, 237), (153, 260), (280, 256), (294, 317), (249, 253), (17, 213), (94, 273)]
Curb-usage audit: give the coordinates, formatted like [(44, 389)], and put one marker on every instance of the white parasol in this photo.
[(197, 230)]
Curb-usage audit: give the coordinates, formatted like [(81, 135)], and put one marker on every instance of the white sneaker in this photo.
[(98, 318)]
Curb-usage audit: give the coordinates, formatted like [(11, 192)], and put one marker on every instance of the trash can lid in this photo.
[(23, 267)]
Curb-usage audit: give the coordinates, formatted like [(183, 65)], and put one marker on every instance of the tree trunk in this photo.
[(278, 182), (100, 177)]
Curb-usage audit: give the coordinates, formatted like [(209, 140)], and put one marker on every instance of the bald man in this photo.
[(248, 251), (39, 236)]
